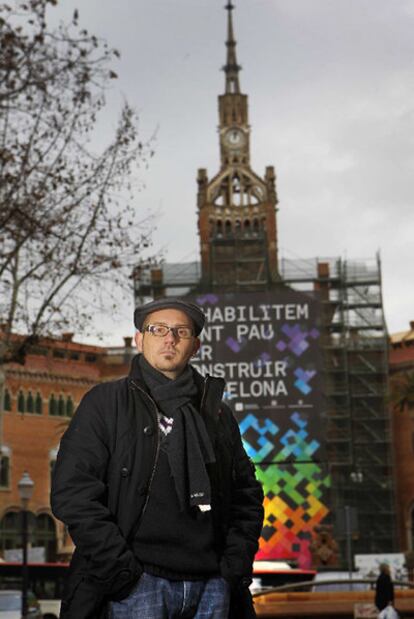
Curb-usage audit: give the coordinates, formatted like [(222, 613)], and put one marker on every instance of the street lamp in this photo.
[(25, 486)]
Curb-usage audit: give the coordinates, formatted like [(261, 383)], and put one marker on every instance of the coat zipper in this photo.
[(157, 453)]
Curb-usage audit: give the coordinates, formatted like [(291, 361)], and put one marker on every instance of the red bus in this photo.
[(269, 574)]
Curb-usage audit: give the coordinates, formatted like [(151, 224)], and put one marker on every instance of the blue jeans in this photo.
[(159, 598)]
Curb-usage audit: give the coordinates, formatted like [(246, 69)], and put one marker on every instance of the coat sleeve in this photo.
[(79, 497), (246, 515)]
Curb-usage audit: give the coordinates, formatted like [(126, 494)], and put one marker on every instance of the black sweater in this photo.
[(173, 544)]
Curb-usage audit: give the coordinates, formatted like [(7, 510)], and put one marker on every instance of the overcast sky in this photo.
[(331, 97)]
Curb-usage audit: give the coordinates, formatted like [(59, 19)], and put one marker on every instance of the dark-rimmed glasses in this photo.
[(183, 333)]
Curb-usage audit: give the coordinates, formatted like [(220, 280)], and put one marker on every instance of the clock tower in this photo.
[(237, 208)]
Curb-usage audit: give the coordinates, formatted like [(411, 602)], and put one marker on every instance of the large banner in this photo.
[(267, 347)]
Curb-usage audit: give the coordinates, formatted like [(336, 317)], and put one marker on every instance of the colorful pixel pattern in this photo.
[(293, 484), (297, 339), (285, 441)]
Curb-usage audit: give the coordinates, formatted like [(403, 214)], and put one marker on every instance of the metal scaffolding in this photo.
[(355, 362), (358, 422)]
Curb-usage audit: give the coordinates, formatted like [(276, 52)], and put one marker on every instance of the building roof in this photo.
[(403, 337)]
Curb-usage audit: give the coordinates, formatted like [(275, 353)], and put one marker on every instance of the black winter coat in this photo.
[(101, 484), (384, 591)]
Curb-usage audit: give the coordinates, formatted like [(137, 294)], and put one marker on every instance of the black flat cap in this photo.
[(191, 309)]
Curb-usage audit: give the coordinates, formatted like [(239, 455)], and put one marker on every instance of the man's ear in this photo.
[(138, 340), (196, 346)]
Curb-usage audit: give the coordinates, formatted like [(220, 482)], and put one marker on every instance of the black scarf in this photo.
[(189, 448)]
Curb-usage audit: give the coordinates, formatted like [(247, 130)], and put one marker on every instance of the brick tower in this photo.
[(237, 208)]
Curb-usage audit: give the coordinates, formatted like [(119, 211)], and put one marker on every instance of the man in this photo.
[(384, 588), (155, 487)]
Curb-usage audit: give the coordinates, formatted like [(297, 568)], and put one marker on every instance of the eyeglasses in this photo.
[(184, 333)]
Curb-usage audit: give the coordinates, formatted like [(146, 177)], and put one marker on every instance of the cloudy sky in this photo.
[(331, 95)]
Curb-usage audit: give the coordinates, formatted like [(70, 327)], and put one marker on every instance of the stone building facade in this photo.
[(39, 400), (402, 402)]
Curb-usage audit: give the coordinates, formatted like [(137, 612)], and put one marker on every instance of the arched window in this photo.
[(69, 406), (38, 404), (44, 536), (20, 402), (10, 532), (5, 453), (219, 227), (61, 406), (4, 472), (30, 403), (52, 405), (7, 404), (43, 533), (228, 227), (237, 192)]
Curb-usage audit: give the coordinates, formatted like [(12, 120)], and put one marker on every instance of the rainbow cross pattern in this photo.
[(294, 485)]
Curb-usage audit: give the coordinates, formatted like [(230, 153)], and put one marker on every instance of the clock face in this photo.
[(235, 138)]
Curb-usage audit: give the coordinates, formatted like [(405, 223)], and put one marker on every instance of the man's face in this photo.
[(168, 354)]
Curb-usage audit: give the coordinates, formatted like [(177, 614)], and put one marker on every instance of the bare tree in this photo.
[(66, 225)]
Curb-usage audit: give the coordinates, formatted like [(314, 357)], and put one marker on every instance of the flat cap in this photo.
[(191, 309)]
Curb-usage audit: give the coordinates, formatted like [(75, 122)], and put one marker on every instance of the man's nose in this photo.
[(169, 337)]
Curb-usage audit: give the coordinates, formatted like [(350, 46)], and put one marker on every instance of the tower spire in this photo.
[(237, 208), (231, 68)]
